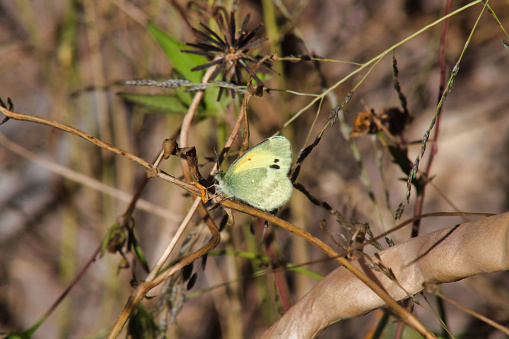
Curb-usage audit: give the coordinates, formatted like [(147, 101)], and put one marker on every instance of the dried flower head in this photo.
[(228, 53)]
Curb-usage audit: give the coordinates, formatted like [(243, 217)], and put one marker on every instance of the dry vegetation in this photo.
[(68, 62)]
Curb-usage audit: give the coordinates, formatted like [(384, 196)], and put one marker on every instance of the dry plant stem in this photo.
[(245, 103), (448, 88), (376, 59), (162, 259), (402, 312), (151, 280), (443, 256), (242, 117), (132, 11), (186, 125), (33, 118), (68, 289), (141, 186), (231, 138), (97, 69), (477, 315), (86, 181), (243, 114), (442, 86), (447, 199), (427, 215), (25, 117), (188, 118), (419, 203), (184, 138), (141, 291)]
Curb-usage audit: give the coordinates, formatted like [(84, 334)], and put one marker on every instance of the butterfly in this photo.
[(260, 176)]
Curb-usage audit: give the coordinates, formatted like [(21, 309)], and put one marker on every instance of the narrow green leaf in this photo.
[(157, 103), (182, 62), (142, 324)]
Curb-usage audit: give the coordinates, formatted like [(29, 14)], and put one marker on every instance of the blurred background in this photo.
[(68, 61)]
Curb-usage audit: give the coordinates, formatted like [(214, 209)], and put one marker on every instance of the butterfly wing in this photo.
[(260, 176)]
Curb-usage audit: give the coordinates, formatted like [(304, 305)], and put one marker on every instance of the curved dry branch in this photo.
[(443, 256)]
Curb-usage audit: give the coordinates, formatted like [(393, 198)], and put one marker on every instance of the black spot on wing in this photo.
[(274, 165)]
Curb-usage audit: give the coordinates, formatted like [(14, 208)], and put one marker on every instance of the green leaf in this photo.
[(18, 335), (115, 239), (142, 324), (182, 62), (157, 103)]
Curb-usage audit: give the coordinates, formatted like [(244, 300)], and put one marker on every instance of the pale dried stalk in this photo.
[(443, 256)]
